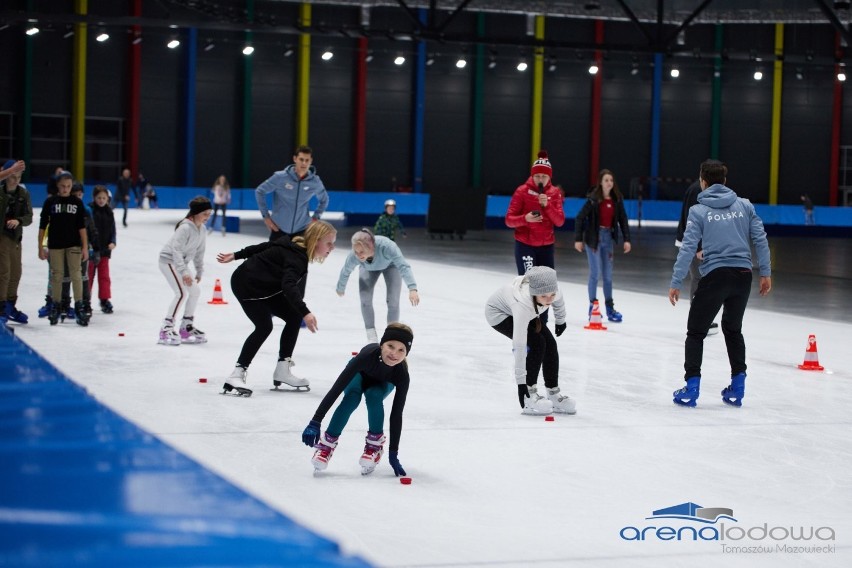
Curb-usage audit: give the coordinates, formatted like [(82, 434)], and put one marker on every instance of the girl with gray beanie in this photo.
[(515, 310)]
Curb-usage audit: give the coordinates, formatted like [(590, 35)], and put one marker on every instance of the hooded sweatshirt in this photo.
[(186, 244), (726, 226), (515, 300), (291, 198)]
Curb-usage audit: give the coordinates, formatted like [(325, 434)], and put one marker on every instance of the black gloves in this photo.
[(560, 327), (523, 392), (311, 434), (393, 460)]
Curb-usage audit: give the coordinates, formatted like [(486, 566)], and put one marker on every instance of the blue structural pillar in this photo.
[(189, 108)]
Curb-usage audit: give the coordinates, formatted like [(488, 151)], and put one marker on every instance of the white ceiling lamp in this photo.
[(522, 66), (327, 55), (593, 69), (173, 43), (102, 37), (399, 60), (32, 30), (675, 73), (248, 50), (461, 63)]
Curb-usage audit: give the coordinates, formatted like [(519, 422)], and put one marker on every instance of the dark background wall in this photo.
[(686, 112)]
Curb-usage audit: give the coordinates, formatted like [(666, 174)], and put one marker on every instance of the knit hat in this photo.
[(542, 280), (542, 165), (398, 334)]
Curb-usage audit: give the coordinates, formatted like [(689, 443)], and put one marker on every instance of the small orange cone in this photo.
[(217, 294), (811, 362), (595, 318)]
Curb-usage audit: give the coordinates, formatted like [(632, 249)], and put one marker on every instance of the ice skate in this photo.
[(374, 447), (714, 329), (238, 375), (562, 404), (66, 311), (191, 334), (168, 335), (611, 313), (12, 314), (80, 315), (283, 375), (535, 404), (106, 306), (688, 394), (324, 451), (44, 311), (372, 336), (234, 390), (733, 394), (53, 313)]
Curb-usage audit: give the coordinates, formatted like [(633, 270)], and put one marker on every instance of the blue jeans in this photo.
[(600, 264), (374, 396)]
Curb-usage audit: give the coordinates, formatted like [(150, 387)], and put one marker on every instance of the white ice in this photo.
[(491, 487)]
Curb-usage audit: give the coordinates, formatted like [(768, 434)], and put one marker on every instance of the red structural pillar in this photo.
[(595, 126)]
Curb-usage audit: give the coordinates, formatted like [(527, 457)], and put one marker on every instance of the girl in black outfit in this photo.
[(374, 373), (271, 283)]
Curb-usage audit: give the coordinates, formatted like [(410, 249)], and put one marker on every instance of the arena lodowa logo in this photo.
[(692, 522)]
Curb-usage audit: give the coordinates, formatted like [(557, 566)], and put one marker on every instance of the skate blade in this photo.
[(231, 390), (733, 402), (367, 470), (568, 412), (277, 388), (685, 403)]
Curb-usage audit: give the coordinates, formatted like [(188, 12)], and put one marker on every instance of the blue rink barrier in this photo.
[(82, 486), (363, 208)]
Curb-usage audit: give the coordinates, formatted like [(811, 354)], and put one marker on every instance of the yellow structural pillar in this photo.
[(78, 95), (537, 90), (303, 80), (775, 146)]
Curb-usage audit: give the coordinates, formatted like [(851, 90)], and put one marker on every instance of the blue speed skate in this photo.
[(733, 394), (688, 394), (611, 313)]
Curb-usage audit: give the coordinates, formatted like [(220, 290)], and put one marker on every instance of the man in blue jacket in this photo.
[(292, 189), (725, 225)]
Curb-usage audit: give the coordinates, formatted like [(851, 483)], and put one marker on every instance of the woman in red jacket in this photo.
[(535, 209)]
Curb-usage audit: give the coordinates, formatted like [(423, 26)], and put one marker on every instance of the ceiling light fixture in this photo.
[(327, 55), (399, 60), (173, 43), (102, 37), (461, 63), (32, 30), (248, 50), (593, 69), (522, 66)]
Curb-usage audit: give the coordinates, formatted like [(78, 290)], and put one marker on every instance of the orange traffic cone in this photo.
[(595, 318), (217, 294), (811, 362)]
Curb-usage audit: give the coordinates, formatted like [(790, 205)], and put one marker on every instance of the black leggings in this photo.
[(260, 313), (541, 352)]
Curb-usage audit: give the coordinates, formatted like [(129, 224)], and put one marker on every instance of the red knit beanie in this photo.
[(542, 165)]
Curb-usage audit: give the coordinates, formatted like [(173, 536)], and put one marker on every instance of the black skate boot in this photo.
[(80, 314), (53, 313), (106, 306), (65, 310), (87, 309)]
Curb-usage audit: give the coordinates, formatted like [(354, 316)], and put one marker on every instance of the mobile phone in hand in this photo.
[(537, 213)]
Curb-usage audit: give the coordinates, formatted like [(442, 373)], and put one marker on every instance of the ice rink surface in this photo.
[(491, 487)]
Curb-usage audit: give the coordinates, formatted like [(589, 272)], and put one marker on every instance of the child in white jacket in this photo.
[(186, 244), (515, 311)]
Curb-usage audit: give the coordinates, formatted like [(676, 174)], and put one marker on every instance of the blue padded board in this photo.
[(79, 485)]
